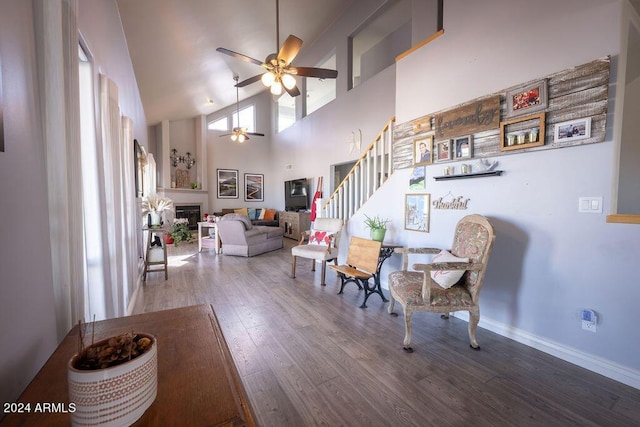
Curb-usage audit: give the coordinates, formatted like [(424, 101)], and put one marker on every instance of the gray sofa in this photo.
[(240, 237), (272, 223)]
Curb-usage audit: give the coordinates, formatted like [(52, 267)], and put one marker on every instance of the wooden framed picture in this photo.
[(253, 187), (443, 151), (417, 180), (463, 147), (227, 183), (416, 211), (422, 150), (527, 99), (522, 132), (572, 130)]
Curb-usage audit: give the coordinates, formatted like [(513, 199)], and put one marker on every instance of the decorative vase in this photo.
[(377, 234), (114, 396), (156, 218)]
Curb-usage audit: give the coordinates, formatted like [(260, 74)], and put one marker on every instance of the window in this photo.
[(321, 91), (375, 45), (219, 124), (247, 119), (286, 111)]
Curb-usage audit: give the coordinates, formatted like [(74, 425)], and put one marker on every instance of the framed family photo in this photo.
[(463, 147), (572, 130), (227, 183), (527, 99), (416, 211), (443, 151), (422, 150), (253, 187)]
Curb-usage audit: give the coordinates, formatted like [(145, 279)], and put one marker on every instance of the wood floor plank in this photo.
[(308, 356)]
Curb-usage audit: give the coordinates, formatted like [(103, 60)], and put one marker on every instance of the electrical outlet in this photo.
[(589, 320), (589, 326)]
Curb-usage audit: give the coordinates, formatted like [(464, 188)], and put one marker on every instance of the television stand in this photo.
[(294, 223)]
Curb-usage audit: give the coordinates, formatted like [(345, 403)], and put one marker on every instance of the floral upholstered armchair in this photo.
[(451, 282)]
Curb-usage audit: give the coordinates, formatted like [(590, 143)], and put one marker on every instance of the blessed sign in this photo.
[(477, 117)]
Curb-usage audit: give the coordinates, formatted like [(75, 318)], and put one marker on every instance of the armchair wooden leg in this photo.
[(474, 318), (392, 304), (407, 330), (324, 269), (293, 267)]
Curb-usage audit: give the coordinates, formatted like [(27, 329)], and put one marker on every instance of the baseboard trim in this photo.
[(623, 374)]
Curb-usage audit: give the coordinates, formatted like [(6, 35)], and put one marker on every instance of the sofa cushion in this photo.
[(241, 211), (261, 214), (251, 213), (238, 217), (269, 214)]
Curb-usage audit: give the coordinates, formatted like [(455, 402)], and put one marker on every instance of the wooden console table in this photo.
[(198, 383)]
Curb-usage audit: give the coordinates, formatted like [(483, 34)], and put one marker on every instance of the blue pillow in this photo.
[(251, 213)]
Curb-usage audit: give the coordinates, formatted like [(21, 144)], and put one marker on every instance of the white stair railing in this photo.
[(369, 173)]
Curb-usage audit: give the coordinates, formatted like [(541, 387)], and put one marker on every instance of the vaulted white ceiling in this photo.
[(173, 44)]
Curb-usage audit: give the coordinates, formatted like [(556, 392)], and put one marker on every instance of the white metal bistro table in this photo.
[(216, 236)]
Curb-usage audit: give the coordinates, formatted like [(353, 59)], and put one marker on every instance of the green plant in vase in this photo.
[(378, 227), (180, 231)]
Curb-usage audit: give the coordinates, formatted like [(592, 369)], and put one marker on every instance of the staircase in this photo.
[(369, 173)]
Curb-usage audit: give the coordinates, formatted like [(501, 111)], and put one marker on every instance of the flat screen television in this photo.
[(296, 195)]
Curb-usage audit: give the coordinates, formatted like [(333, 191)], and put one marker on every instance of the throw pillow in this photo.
[(241, 211), (269, 215), (251, 213), (447, 278), (321, 238), (261, 214)]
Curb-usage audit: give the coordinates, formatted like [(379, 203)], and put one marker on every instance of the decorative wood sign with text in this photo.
[(458, 203), (471, 118)]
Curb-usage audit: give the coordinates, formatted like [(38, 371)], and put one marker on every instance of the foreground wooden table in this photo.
[(198, 383)]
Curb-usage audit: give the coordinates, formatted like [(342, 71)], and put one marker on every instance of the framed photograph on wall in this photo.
[(572, 130), (527, 99), (463, 147), (417, 180), (416, 211), (253, 187), (443, 151), (422, 150), (522, 132), (227, 184)]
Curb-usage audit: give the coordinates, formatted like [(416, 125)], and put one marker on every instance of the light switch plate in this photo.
[(590, 205)]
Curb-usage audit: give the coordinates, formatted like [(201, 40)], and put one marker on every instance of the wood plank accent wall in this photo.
[(574, 93)]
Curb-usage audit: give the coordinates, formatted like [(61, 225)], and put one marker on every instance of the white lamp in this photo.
[(288, 81), (276, 88), (268, 78)]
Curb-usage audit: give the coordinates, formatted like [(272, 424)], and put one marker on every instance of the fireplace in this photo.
[(191, 212)]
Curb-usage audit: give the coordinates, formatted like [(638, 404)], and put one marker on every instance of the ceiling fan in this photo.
[(279, 72), (238, 133)]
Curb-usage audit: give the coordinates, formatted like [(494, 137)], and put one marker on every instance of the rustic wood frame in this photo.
[(539, 122), (428, 140), (461, 140), (541, 86), (417, 198), (436, 154), (558, 129)]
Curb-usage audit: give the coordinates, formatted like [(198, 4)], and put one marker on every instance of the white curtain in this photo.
[(130, 210)]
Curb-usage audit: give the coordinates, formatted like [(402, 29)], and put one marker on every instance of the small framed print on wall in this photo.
[(443, 151), (527, 99), (416, 211), (227, 183), (572, 130), (422, 150), (463, 147), (253, 187)]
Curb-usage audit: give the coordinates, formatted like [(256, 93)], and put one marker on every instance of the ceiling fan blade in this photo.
[(249, 81), (321, 73), (226, 134), (254, 133), (293, 92), (239, 56), (289, 49)]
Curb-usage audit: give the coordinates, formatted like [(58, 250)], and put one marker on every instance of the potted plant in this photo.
[(378, 227), (153, 206), (106, 376), (180, 231)]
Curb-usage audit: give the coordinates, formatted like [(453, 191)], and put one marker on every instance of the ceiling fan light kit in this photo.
[(239, 133), (279, 70)]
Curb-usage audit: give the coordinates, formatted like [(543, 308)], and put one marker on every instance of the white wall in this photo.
[(549, 261)]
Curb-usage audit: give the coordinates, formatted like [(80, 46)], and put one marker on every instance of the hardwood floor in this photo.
[(308, 356)]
